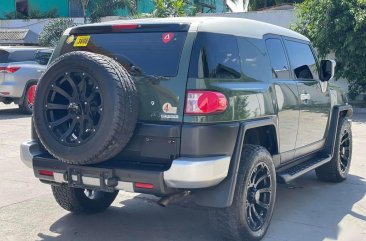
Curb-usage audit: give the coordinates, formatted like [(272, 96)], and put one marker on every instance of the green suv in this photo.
[(222, 109)]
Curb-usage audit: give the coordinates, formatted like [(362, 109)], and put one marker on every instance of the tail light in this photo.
[(205, 102), (144, 185), (9, 70)]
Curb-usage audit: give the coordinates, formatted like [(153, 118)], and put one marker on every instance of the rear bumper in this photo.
[(14, 89), (184, 173)]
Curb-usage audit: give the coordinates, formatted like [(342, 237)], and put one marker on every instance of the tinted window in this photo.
[(302, 60), (276, 52), (42, 57), (22, 55), (253, 59), (140, 53), (215, 56), (3, 56)]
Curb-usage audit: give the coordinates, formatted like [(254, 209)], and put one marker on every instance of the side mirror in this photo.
[(327, 70)]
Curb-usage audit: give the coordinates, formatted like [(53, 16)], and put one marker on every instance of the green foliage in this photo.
[(259, 4), (102, 8), (173, 8), (33, 14), (53, 31), (338, 26)]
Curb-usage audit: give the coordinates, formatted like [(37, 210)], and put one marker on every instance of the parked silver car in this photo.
[(20, 69)]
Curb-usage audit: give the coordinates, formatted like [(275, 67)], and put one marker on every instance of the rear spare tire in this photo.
[(85, 109)]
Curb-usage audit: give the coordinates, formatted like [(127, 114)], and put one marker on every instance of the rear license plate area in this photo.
[(99, 179)]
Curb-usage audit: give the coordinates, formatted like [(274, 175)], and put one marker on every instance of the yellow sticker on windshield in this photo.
[(81, 41)]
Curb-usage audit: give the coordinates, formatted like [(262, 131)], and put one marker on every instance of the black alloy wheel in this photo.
[(344, 150), (258, 196), (73, 108)]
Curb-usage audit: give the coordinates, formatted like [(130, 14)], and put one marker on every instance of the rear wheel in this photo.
[(338, 168), (249, 216), (82, 200), (26, 107)]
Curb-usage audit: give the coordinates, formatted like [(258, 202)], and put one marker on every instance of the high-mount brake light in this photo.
[(9, 70), (205, 102), (124, 26)]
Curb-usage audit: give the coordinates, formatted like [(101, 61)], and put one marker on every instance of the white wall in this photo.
[(281, 18)]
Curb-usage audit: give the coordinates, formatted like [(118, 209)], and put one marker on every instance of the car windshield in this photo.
[(149, 54)]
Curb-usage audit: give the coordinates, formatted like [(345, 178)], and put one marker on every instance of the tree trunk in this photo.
[(238, 5)]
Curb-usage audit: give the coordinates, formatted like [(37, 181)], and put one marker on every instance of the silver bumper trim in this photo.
[(28, 150), (197, 172)]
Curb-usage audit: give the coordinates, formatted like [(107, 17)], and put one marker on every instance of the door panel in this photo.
[(287, 97), (314, 112), (314, 95)]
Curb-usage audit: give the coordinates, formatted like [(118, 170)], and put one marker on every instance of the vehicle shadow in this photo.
[(305, 210), (11, 113), (309, 209)]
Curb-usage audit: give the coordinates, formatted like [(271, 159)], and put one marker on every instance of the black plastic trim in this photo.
[(155, 177), (208, 139), (222, 195), (332, 133)]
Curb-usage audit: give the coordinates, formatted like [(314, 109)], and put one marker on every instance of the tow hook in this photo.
[(165, 201)]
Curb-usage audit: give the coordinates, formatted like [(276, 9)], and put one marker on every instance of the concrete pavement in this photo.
[(305, 210)]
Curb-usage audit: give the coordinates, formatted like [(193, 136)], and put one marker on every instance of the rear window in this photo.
[(22, 55), (154, 53)]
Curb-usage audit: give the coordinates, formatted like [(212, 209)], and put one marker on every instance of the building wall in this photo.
[(62, 6), (6, 6)]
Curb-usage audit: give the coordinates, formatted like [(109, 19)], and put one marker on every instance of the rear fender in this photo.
[(222, 195)]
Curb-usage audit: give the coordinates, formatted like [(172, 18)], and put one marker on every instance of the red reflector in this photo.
[(5, 93), (205, 102), (124, 26), (45, 173), (9, 70), (144, 185)]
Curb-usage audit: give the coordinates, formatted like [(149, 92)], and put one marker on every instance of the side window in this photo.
[(253, 59), (42, 57), (277, 56), (215, 56), (3, 56), (302, 60)]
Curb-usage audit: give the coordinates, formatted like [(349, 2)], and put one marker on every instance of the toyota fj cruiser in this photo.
[(220, 108)]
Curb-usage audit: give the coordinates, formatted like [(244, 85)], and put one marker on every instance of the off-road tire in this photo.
[(120, 108), (331, 171), (24, 105), (231, 222), (76, 201)]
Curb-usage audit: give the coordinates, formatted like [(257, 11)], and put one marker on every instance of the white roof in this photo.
[(225, 25)]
